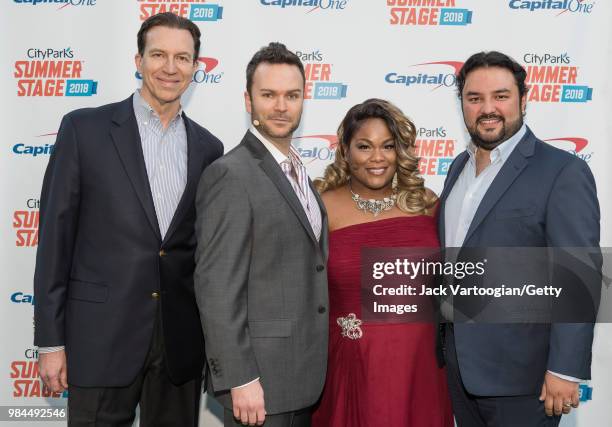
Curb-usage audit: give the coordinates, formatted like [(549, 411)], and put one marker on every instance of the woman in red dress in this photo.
[(378, 374)]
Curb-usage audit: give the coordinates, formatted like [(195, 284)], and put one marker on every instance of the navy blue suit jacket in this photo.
[(101, 257), (542, 197)]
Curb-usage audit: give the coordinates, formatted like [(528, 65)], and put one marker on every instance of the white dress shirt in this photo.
[(467, 193)]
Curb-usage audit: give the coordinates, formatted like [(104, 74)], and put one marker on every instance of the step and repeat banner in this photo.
[(59, 55)]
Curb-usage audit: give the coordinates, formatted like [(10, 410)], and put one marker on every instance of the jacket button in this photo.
[(322, 309), (155, 295), (320, 268), (162, 253)]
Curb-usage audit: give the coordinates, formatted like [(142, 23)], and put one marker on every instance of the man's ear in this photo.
[(138, 61), (247, 102)]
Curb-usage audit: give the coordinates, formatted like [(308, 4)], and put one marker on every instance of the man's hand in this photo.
[(52, 370), (248, 404), (559, 395)]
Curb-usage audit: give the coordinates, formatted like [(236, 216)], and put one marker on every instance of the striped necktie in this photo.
[(298, 177)]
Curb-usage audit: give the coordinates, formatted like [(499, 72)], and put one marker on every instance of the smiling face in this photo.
[(372, 158), (276, 100), (167, 66), (492, 108)]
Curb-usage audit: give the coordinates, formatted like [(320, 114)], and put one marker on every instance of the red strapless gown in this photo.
[(388, 377)]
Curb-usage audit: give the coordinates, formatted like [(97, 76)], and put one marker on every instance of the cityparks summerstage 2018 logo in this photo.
[(318, 71), (435, 150), (25, 224), (427, 13), (554, 78), (48, 72), (195, 10), (557, 7)]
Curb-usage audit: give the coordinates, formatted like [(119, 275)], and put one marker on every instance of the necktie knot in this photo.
[(286, 165)]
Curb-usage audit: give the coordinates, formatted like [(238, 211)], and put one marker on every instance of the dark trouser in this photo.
[(490, 411), (288, 419), (161, 402)]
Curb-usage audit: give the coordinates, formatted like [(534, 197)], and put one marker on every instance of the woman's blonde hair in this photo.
[(410, 186)]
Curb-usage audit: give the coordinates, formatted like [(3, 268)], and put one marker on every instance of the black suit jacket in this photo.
[(102, 268)]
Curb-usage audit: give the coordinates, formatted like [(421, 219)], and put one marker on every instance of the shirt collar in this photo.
[(276, 153), (503, 150), (146, 111)]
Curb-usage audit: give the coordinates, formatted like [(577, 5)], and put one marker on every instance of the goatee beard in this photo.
[(508, 130)]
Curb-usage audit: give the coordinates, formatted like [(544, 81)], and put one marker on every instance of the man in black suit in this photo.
[(116, 317)]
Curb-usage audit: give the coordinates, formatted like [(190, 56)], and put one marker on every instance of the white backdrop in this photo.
[(406, 51)]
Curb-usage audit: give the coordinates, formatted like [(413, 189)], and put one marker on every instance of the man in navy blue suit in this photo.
[(116, 316), (509, 189)]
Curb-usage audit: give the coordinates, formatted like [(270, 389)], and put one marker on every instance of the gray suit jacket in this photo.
[(260, 281), (542, 197)]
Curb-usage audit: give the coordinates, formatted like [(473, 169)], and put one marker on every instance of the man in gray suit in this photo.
[(510, 189), (261, 281)]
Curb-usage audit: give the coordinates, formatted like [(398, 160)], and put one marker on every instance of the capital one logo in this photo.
[(579, 7), (573, 145), (309, 5), (435, 75), (316, 147), (63, 3), (204, 74), (316, 151)]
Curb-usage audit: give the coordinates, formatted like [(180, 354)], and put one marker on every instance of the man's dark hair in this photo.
[(492, 59), (274, 53), (170, 20)]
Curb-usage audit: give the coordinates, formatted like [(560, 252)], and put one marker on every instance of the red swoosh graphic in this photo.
[(455, 64), (580, 143), (46, 134), (209, 63), (313, 9), (332, 140), (563, 11)]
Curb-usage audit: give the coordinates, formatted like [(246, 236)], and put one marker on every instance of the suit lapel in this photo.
[(512, 168), (448, 186), (127, 142), (323, 242), (195, 159), (278, 178)]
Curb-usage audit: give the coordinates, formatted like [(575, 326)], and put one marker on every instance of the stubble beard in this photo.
[(270, 133)]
